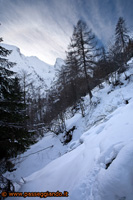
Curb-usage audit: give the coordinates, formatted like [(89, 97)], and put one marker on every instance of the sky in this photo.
[(43, 28)]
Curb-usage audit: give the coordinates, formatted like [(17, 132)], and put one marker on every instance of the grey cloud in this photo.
[(44, 27)]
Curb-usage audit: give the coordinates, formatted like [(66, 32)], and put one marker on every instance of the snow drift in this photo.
[(98, 163)]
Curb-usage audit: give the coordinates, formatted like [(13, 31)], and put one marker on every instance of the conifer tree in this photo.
[(73, 73), (84, 44), (14, 137), (118, 54), (121, 36)]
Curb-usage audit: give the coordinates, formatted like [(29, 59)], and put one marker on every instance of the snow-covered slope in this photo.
[(36, 71), (98, 163)]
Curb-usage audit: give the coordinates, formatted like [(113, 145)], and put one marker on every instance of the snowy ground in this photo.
[(98, 163)]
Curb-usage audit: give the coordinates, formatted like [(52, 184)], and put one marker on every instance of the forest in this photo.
[(25, 118)]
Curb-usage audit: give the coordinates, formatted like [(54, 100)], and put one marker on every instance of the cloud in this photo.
[(35, 29), (43, 28)]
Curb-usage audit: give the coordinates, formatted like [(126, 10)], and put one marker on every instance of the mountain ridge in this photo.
[(42, 74)]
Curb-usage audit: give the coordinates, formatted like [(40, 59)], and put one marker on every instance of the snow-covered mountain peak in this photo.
[(40, 72), (15, 51), (58, 64)]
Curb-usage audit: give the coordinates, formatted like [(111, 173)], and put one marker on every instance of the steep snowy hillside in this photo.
[(98, 163), (36, 71)]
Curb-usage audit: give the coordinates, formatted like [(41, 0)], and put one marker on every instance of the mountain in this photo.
[(97, 164), (36, 71)]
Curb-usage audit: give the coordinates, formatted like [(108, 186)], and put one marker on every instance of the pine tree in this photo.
[(14, 138)]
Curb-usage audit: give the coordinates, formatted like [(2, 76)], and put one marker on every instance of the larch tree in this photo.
[(121, 43), (83, 42), (121, 36)]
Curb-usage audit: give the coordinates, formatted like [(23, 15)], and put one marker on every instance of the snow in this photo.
[(98, 163), (42, 74), (39, 160)]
